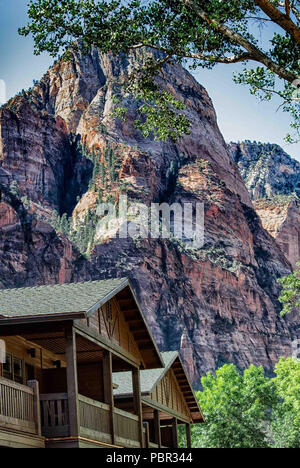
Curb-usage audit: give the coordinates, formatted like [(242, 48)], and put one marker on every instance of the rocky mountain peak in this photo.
[(266, 169), (62, 153), (273, 180)]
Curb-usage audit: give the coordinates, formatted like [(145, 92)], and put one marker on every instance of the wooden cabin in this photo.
[(168, 400), (63, 344)]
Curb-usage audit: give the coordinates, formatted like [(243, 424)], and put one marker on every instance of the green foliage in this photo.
[(286, 416), (158, 109), (281, 199), (199, 33), (249, 410), (263, 84), (105, 173), (214, 253), (235, 407), (106, 169), (60, 223), (26, 202), (182, 442), (15, 189), (81, 233), (290, 294), (103, 129)]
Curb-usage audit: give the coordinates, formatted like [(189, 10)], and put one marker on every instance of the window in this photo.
[(18, 370), (7, 368), (13, 369)]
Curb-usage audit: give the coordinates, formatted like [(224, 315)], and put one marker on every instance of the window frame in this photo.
[(12, 375)]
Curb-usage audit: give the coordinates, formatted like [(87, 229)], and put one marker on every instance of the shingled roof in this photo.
[(73, 301), (55, 299), (151, 378)]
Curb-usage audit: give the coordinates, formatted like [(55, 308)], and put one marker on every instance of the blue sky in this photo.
[(240, 115)]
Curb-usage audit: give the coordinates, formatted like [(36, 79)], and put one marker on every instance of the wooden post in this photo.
[(137, 400), (108, 390), (72, 383), (36, 405), (147, 434), (188, 436), (157, 429), (174, 433)]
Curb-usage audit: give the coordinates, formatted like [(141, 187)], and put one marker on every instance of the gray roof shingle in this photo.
[(149, 378), (57, 299)]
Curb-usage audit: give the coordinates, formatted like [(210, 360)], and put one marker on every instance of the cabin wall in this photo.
[(168, 393), (33, 367), (166, 437), (53, 381), (109, 322), (90, 381)]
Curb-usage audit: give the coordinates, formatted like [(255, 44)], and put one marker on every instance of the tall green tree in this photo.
[(286, 415), (203, 33), (249, 410), (236, 408)]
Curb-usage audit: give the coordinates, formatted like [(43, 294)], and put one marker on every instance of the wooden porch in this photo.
[(67, 342), (94, 421), (27, 418), (19, 415), (71, 402), (168, 401), (161, 429)]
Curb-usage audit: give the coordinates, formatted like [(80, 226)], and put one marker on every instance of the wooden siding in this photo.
[(16, 406), (90, 381), (109, 322), (18, 347), (168, 393)]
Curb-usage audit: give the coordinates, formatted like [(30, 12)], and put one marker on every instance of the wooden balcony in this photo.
[(76, 407), (96, 421), (127, 429), (18, 416), (17, 407), (19, 420), (55, 415)]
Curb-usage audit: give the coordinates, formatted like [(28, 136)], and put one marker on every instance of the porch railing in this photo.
[(94, 417), (55, 415), (94, 420), (127, 429), (17, 407)]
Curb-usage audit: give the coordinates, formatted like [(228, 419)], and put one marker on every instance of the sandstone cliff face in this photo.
[(281, 217), (215, 304), (273, 179), (266, 169), (31, 251)]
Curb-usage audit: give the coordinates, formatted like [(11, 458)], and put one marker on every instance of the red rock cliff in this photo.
[(215, 304)]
